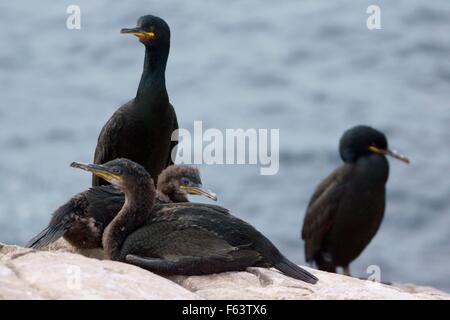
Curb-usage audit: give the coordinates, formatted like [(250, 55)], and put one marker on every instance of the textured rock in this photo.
[(30, 274), (62, 273), (258, 283)]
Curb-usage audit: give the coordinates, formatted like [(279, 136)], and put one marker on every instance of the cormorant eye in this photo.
[(185, 181), (116, 170)]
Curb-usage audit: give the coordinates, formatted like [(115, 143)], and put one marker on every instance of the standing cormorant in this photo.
[(82, 219), (191, 239), (347, 207), (141, 129)]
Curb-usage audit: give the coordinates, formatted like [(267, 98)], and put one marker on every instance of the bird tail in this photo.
[(294, 271), (59, 224)]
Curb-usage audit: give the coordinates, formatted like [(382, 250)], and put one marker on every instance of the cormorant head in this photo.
[(152, 31), (184, 180), (361, 141), (123, 173)]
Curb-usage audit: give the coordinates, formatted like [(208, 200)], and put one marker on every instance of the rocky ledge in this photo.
[(62, 273)]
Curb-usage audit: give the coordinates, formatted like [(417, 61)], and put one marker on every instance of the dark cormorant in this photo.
[(141, 129), (188, 239), (177, 181), (346, 209), (83, 218)]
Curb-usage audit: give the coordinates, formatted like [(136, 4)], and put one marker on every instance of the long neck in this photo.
[(137, 207), (376, 170), (153, 82)]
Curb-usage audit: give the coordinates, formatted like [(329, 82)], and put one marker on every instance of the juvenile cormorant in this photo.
[(141, 129), (82, 219), (187, 239), (347, 207)]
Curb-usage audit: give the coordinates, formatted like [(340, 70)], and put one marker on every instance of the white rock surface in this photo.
[(62, 273), (30, 274), (259, 283)]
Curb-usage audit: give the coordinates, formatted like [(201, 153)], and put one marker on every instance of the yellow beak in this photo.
[(392, 153), (141, 34), (200, 192), (97, 169)]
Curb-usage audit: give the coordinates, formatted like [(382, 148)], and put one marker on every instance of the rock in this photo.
[(259, 283), (63, 273), (31, 274)]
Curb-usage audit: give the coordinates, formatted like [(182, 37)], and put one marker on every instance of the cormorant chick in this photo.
[(82, 219), (188, 239)]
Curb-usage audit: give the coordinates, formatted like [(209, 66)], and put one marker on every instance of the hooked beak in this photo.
[(200, 192), (393, 153), (138, 32), (99, 170)]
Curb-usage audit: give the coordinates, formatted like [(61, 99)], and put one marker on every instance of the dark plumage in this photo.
[(83, 218), (172, 178), (141, 129), (184, 238), (346, 209)]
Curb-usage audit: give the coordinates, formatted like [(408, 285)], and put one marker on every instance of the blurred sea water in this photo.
[(310, 68)]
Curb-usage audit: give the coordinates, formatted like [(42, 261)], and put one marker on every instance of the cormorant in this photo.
[(141, 129), (82, 219), (187, 239), (347, 207)]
